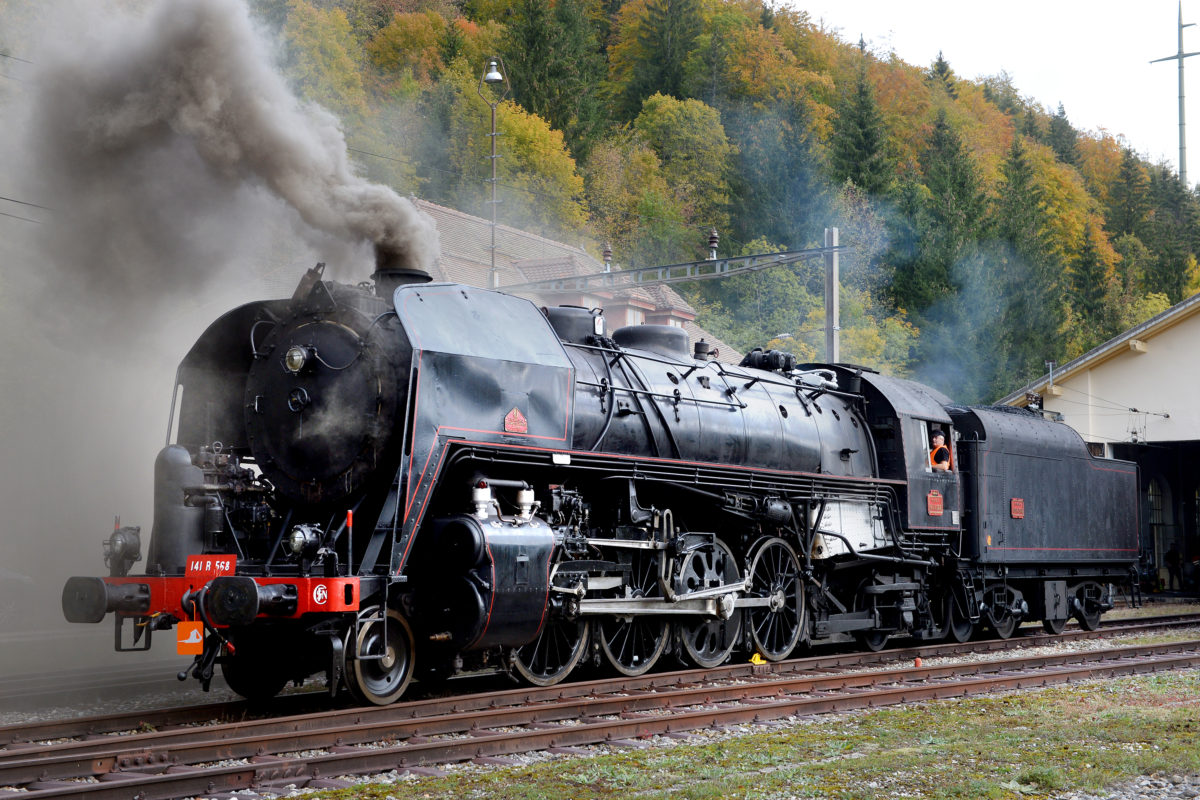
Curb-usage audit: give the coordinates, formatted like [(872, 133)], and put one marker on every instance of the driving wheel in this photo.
[(554, 653), (708, 641), (386, 645), (632, 644), (775, 577)]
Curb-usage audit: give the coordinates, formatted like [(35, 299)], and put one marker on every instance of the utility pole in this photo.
[(1180, 56), (832, 323), (498, 88)]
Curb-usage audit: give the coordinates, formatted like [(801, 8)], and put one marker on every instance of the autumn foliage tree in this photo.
[(988, 233)]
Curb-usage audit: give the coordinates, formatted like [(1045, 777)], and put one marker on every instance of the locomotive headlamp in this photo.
[(296, 357), (122, 550), (304, 540)]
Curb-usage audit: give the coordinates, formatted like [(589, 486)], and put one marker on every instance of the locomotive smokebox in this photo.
[(391, 272)]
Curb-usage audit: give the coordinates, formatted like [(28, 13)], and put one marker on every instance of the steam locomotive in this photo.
[(423, 479)]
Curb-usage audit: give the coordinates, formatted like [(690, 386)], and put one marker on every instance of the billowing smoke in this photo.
[(172, 176), (156, 132)]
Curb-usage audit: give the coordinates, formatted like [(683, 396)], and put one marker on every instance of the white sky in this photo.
[(1093, 57)]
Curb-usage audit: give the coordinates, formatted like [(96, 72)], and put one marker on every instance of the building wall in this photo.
[(1155, 376), (1096, 401)]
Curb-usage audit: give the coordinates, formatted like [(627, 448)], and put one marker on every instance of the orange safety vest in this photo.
[(934, 452)]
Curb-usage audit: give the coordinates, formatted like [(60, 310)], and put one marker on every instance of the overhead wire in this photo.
[(1112, 404), (23, 203), (14, 58), (26, 219)]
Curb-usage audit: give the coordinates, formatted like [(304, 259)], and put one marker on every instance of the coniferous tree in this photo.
[(1128, 199), (1030, 128), (1172, 233), (528, 53), (272, 13), (949, 221), (999, 89), (1088, 279), (554, 66), (1027, 274), (666, 37), (860, 140), (766, 17), (707, 78), (778, 174), (937, 263), (1062, 138), (941, 76), (1020, 213), (581, 66), (451, 42)]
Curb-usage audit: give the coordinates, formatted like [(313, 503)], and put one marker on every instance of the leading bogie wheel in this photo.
[(775, 576), (255, 669), (708, 641), (387, 668), (556, 651)]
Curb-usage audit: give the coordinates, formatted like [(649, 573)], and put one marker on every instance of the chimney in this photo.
[(390, 272)]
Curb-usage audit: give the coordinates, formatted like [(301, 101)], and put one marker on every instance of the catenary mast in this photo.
[(1180, 56)]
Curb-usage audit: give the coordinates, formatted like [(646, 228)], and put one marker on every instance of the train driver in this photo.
[(939, 455)]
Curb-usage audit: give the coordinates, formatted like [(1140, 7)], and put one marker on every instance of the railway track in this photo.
[(170, 754), (64, 686)]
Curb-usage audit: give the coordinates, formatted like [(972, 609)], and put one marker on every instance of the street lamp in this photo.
[(495, 76)]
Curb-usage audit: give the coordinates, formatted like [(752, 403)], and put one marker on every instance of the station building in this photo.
[(1135, 398)]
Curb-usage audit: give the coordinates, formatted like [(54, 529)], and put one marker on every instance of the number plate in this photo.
[(202, 569)]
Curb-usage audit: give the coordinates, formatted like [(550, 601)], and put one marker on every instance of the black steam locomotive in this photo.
[(433, 478)]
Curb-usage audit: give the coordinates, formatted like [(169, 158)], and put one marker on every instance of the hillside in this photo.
[(988, 234)]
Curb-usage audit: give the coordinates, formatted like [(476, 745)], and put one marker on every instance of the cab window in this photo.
[(938, 449)]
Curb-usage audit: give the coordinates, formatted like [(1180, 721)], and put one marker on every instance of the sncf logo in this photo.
[(320, 594)]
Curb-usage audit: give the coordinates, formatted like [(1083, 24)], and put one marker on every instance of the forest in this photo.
[(986, 234)]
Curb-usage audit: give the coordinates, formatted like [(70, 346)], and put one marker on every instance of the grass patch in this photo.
[(1020, 745), (1151, 608)]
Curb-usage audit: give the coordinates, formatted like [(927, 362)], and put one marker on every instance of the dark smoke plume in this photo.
[(153, 135), (162, 170)]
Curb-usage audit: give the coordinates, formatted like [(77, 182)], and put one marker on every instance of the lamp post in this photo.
[(495, 76)]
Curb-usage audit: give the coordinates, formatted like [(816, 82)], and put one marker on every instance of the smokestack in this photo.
[(391, 271)]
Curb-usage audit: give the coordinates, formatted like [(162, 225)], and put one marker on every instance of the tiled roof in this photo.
[(541, 269), (468, 239), (667, 298)]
